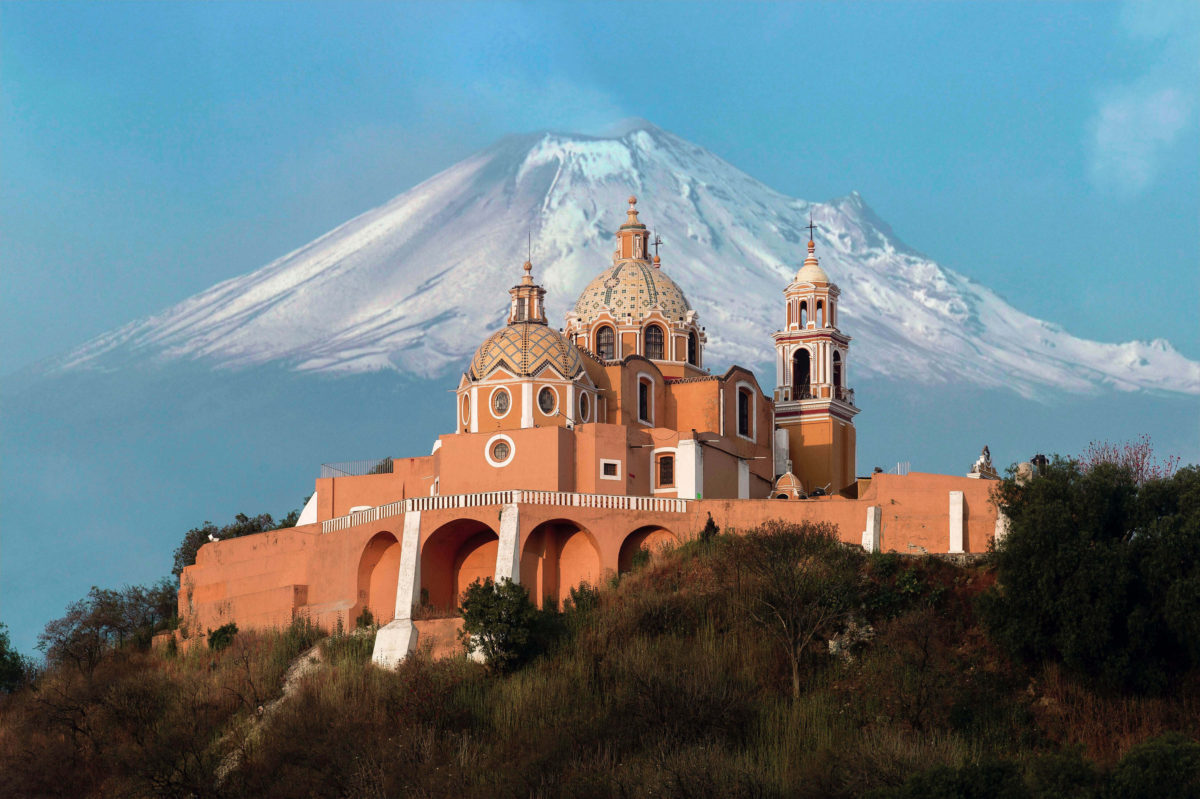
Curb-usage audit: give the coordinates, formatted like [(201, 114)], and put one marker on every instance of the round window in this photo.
[(546, 399), (466, 413), (584, 407), (500, 401), (500, 451)]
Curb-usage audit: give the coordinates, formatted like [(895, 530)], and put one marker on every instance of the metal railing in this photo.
[(357, 468), (560, 498)]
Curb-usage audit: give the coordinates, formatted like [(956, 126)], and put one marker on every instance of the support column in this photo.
[(743, 478), (782, 451), (474, 409), (1001, 527), (508, 553), (956, 522), (398, 639), (527, 404), (872, 537), (689, 469)]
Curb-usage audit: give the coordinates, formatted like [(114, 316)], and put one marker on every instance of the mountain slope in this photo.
[(417, 283)]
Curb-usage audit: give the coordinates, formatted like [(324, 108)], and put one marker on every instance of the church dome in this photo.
[(524, 348), (811, 272), (632, 288)]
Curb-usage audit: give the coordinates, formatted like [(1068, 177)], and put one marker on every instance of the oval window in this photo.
[(466, 411), (584, 407), (547, 399), (500, 451), (500, 401)]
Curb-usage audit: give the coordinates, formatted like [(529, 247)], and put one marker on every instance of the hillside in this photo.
[(668, 682)]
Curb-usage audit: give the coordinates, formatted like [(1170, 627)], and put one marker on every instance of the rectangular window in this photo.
[(666, 471), (610, 470), (644, 402), (743, 413)]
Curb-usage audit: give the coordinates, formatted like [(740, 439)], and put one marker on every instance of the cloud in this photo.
[(1137, 123)]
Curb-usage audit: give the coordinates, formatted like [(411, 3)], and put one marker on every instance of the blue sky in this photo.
[(1047, 150)]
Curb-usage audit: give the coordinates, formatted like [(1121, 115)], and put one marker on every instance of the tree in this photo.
[(108, 619), (499, 621), (12, 665), (795, 581), (1100, 571)]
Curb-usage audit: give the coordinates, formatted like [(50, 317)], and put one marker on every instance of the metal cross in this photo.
[(657, 241), (811, 227)]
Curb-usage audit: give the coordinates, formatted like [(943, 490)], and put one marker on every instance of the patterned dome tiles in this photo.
[(632, 288), (526, 348)]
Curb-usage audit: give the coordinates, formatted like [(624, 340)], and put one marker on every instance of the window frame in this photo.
[(492, 402), (612, 356), (661, 343), (538, 400)]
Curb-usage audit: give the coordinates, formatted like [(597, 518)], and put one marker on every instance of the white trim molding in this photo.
[(487, 450)]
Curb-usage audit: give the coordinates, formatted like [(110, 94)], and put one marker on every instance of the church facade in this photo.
[(573, 450)]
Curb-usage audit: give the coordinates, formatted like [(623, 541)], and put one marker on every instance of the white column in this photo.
[(782, 452), (1001, 527), (527, 404), (689, 469), (872, 537), (743, 478), (956, 522), (475, 409), (508, 553), (570, 414), (398, 639)]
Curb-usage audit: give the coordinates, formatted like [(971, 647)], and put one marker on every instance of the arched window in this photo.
[(744, 401), (606, 343), (803, 313), (654, 343), (801, 374), (837, 370), (693, 349), (820, 313)]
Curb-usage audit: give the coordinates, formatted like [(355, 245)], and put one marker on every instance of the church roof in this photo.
[(525, 348), (632, 288)]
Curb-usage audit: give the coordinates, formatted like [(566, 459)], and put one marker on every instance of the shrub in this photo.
[(221, 637), (365, 619), (499, 621), (12, 665), (1164, 767)]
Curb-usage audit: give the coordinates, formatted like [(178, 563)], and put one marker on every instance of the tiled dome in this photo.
[(524, 348), (632, 288)]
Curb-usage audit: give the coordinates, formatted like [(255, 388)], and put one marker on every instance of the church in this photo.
[(575, 448)]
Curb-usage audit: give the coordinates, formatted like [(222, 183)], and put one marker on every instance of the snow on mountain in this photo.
[(416, 284)]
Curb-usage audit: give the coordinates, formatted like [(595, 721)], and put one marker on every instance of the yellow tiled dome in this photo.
[(524, 348), (632, 288)]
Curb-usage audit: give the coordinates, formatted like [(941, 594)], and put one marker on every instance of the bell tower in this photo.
[(814, 409)]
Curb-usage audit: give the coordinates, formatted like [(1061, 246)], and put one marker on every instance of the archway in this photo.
[(558, 555), (801, 374), (650, 538), (378, 573), (452, 557)]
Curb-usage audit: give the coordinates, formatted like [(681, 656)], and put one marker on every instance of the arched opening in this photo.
[(652, 539), (378, 574), (837, 370), (693, 353), (606, 343), (744, 400), (645, 412), (781, 496), (558, 555), (801, 374), (820, 313), (654, 343), (803, 313), (452, 557)]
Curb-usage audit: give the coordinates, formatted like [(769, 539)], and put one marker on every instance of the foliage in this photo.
[(500, 622), (796, 581), (1100, 573), (222, 637), (365, 620), (1168, 766), (106, 619), (1137, 457), (193, 539), (12, 665), (710, 531)]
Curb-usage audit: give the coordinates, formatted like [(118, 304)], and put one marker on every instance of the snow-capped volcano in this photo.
[(419, 282)]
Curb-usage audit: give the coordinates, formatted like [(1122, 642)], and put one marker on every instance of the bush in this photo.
[(185, 553), (1100, 573), (499, 621), (12, 665), (221, 637), (1164, 767), (365, 620)]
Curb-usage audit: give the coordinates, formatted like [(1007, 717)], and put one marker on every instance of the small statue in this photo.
[(983, 465)]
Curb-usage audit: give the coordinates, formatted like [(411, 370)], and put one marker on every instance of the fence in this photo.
[(356, 468)]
